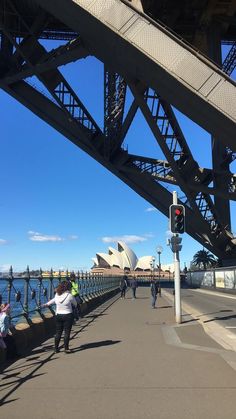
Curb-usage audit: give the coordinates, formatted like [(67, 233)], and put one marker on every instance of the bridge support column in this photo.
[(219, 151)]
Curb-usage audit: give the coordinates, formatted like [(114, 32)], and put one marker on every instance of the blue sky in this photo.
[(59, 206)]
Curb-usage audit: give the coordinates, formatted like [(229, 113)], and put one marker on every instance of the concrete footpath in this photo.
[(128, 362)]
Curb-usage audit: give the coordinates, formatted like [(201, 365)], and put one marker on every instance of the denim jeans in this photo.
[(154, 298), (122, 293), (134, 292)]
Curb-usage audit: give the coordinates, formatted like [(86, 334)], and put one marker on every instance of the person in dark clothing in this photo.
[(133, 286), (123, 286), (154, 291)]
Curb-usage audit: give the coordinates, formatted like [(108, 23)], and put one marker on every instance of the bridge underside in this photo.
[(156, 84)]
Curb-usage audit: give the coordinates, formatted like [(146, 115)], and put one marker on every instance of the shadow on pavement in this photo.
[(233, 316), (10, 372), (92, 345), (165, 306)]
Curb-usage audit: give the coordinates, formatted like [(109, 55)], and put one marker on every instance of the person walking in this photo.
[(64, 314), (123, 286), (154, 291), (133, 286), (75, 293)]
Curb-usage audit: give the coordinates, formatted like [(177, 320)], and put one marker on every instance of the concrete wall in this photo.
[(28, 336)]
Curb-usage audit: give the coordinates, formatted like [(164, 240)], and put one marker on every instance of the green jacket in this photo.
[(74, 288)]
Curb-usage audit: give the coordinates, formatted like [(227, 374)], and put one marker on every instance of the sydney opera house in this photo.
[(123, 258)]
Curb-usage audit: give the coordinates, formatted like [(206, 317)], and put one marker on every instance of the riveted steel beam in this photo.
[(72, 51), (162, 170), (114, 104), (168, 134)]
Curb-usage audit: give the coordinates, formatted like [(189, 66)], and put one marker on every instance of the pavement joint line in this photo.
[(172, 338)]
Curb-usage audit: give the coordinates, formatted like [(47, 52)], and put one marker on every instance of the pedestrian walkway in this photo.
[(129, 361)]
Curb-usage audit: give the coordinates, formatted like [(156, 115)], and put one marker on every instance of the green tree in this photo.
[(204, 259)]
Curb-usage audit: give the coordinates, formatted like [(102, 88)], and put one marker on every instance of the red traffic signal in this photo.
[(177, 211), (177, 219)]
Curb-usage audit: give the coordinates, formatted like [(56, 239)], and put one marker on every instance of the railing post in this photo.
[(26, 291), (79, 284), (9, 287), (86, 284), (51, 285), (101, 282), (40, 278)]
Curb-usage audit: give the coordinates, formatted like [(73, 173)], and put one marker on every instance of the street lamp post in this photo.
[(152, 267), (159, 250)]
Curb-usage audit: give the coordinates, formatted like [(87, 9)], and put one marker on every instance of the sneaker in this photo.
[(68, 351), (56, 351)]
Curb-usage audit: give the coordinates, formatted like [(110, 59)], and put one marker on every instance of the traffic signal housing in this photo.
[(177, 219), (175, 244)]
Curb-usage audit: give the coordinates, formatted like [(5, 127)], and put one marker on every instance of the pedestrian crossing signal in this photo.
[(177, 219)]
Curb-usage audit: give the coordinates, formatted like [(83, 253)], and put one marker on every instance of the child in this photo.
[(4, 323)]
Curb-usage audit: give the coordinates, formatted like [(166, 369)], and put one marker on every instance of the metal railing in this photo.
[(27, 293)]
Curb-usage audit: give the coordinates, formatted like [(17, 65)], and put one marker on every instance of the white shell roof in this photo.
[(104, 259), (144, 263), (123, 258), (128, 255), (116, 256), (95, 261)]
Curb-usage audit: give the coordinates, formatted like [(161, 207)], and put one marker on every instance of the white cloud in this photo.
[(149, 235), (129, 239), (150, 209), (2, 242), (73, 237), (38, 237), (5, 268)]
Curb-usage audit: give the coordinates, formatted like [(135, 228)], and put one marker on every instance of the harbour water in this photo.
[(26, 296), (37, 295)]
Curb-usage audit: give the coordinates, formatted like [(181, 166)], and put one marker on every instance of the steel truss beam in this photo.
[(122, 46), (229, 63), (114, 103), (72, 51), (162, 171), (168, 134), (66, 113), (142, 183)]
